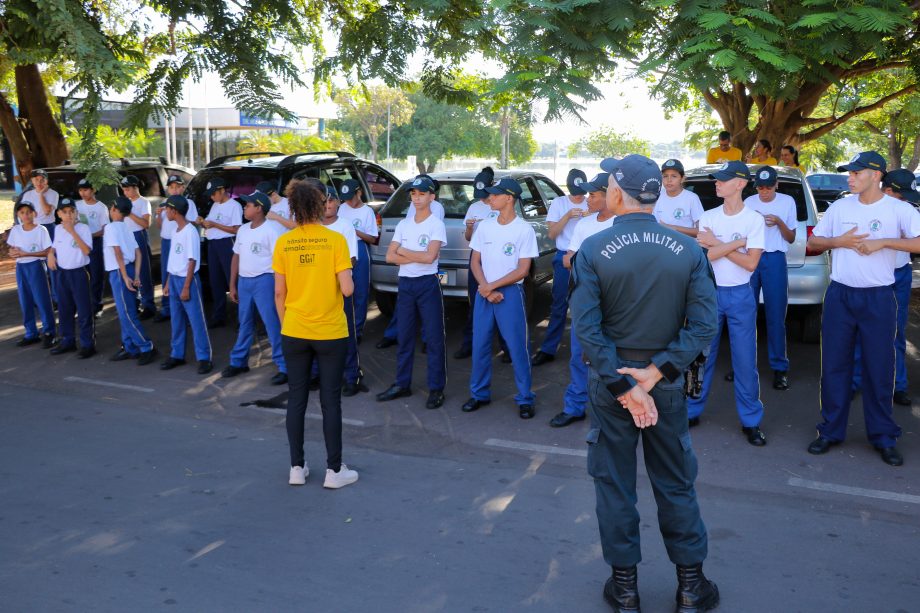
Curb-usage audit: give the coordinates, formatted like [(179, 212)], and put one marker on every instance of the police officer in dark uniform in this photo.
[(644, 308)]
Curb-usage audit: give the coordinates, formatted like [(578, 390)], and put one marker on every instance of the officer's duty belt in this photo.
[(636, 355)]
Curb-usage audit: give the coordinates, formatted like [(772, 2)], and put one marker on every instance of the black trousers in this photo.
[(299, 354)]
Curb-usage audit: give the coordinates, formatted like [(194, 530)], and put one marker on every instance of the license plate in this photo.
[(442, 277)]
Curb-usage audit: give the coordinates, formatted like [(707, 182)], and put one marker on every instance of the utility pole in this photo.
[(388, 132)]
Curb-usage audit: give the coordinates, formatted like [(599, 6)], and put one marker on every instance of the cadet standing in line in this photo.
[(138, 222), (69, 255), (734, 236), (724, 152), (600, 218), (564, 213), (780, 219), (643, 307), (252, 285), (221, 225), (29, 244), (415, 246), (184, 290), (363, 220), (95, 215), (503, 250), (281, 210), (175, 185), (865, 232), (44, 202), (678, 208)]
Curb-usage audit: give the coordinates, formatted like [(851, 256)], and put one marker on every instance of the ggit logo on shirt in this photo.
[(508, 249), (736, 236), (33, 247), (73, 243), (875, 225), (255, 248), (178, 248), (678, 213), (356, 223), (423, 241)]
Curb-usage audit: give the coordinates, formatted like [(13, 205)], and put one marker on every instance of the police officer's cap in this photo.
[(482, 181), (423, 183), (122, 205), (66, 203), (175, 179), (673, 164), (266, 187), (84, 184), (867, 159), (39, 172), (732, 170), (506, 187), (130, 181), (598, 183), (765, 176), (348, 188), (574, 182), (179, 203), (259, 198), (636, 175), (904, 183), (215, 184)]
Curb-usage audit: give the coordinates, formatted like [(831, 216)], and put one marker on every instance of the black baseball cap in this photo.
[(866, 159), (179, 203), (482, 181), (765, 176), (266, 187), (175, 179), (23, 204), (122, 205), (732, 170), (259, 198), (636, 175), (598, 183), (130, 181), (506, 187), (39, 172), (66, 203), (215, 184), (574, 182), (904, 183), (437, 185), (423, 183), (84, 184), (348, 188), (673, 164)]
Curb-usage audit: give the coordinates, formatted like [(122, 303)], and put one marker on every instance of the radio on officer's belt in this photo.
[(693, 377)]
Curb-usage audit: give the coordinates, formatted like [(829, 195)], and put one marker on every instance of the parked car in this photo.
[(809, 272), (826, 188), (456, 194)]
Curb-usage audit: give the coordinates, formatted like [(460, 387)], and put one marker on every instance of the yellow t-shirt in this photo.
[(770, 161), (310, 257), (717, 156)]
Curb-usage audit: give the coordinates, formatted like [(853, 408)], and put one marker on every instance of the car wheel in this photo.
[(386, 302), (811, 325)]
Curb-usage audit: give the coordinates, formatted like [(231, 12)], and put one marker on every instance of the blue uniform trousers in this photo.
[(362, 277), (34, 292), (145, 295), (576, 393), (220, 254), (903, 277), (510, 317), (671, 466), (419, 298), (257, 294), (52, 274), (74, 300), (560, 307), (472, 290), (165, 249), (133, 338), (97, 273), (352, 362), (868, 315), (772, 275), (188, 312), (738, 309)]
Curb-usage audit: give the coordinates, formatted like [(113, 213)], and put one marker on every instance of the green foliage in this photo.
[(120, 143), (283, 142), (368, 111), (607, 142)]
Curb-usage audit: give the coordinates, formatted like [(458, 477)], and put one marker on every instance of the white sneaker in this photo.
[(335, 480), (299, 475)]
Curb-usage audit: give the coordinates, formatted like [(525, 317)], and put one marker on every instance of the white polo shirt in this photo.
[(117, 234), (361, 219), (139, 207), (588, 226), (51, 197), (559, 207), (886, 218), (479, 210), (345, 229), (228, 213), (255, 247), (36, 239), (65, 247), (94, 215), (744, 224), (684, 209), (281, 208), (783, 206), (168, 228), (501, 246), (416, 237), (185, 246)]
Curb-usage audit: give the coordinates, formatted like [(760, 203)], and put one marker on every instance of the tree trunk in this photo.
[(12, 130), (895, 148), (431, 167), (420, 164), (505, 130), (915, 157), (41, 129)]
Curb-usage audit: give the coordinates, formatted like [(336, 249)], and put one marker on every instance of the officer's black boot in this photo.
[(622, 591), (694, 591)]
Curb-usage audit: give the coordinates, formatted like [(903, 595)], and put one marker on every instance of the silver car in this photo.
[(809, 273), (456, 194)]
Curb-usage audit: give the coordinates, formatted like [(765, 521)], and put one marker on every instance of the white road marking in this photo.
[(121, 386), (853, 491), (345, 420), (497, 442)]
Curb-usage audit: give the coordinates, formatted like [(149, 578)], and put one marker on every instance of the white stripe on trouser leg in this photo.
[(207, 337)]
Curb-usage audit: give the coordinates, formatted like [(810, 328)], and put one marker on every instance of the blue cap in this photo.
[(673, 164), (84, 184), (259, 198), (215, 184), (867, 159), (331, 193), (437, 184), (636, 175), (904, 183), (179, 203), (39, 172), (175, 179), (423, 183), (482, 181), (574, 180), (598, 183), (765, 176), (66, 203), (130, 181), (123, 205), (266, 187), (348, 189), (23, 204), (732, 170), (506, 187)]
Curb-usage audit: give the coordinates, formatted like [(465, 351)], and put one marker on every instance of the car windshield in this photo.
[(456, 196), (705, 188), (828, 182), (240, 181)]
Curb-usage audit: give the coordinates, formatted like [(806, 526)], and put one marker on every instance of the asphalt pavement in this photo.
[(128, 488)]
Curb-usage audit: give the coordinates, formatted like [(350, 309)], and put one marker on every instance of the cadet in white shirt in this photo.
[(138, 222), (779, 215), (677, 208), (564, 213), (69, 255), (29, 244), (44, 202), (95, 215), (175, 185), (363, 220), (734, 236), (280, 210), (224, 219)]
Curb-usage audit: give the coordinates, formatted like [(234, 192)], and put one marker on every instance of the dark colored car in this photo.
[(826, 188)]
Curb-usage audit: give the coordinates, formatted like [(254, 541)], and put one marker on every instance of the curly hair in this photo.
[(307, 201)]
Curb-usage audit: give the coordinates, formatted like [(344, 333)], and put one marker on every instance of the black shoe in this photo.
[(564, 419), (891, 456), (385, 342), (780, 380), (25, 341), (730, 376), (47, 341), (205, 366), (170, 363), (86, 352), (146, 314), (506, 357), (232, 371), (216, 324), (314, 384), (755, 436), (462, 353), (146, 357), (821, 445), (526, 411), (97, 312), (63, 349), (694, 591), (350, 389), (435, 399), (474, 405), (393, 393), (622, 590), (540, 358), (693, 422), (160, 317), (902, 398), (123, 355), (280, 378)]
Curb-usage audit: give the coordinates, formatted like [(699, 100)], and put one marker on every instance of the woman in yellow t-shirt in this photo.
[(763, 153), (312, 275), (790, 158)]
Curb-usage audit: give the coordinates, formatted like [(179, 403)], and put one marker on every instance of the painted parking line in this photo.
[(853, 491), (121, 386), (498, 442), (345, 420)]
